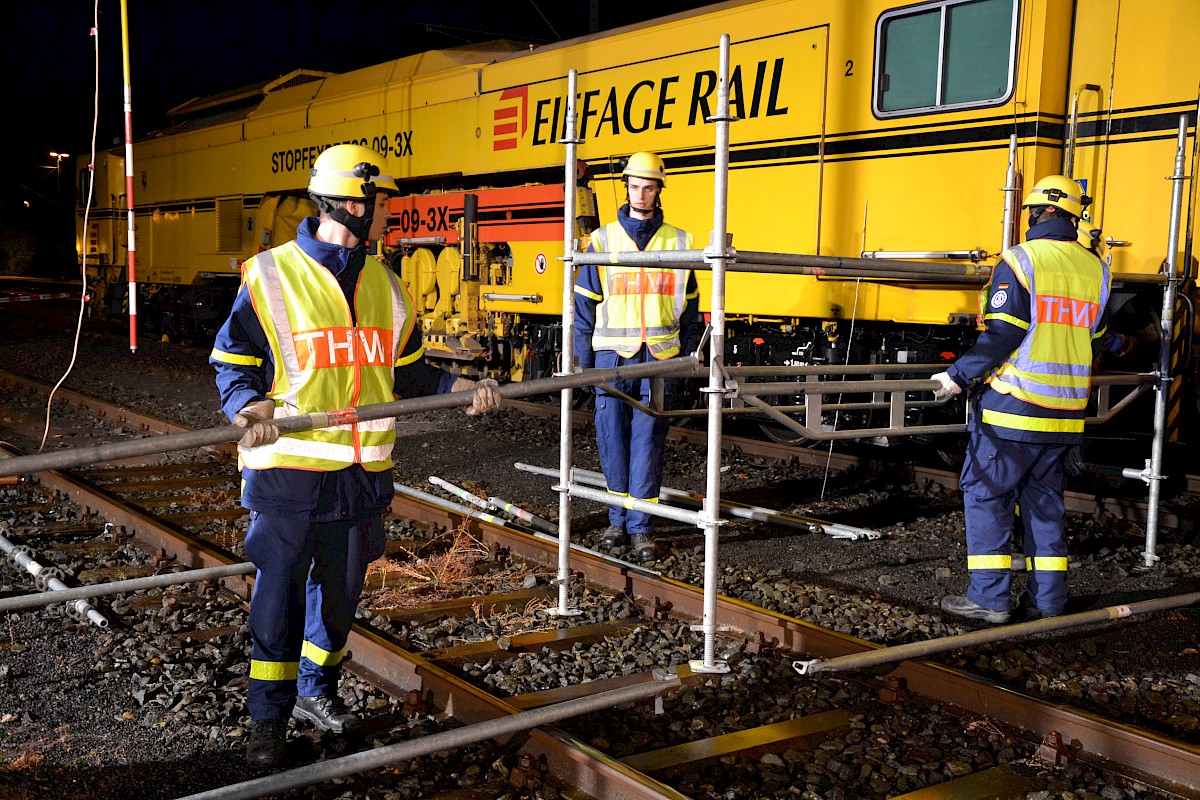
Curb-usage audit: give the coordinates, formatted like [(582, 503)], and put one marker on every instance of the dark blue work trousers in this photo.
[(310, 577), (630, 443), (999, 474)]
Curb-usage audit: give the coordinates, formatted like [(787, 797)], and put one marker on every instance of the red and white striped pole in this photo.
[(131, 249)]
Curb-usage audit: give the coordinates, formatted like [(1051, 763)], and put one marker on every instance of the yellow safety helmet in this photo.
[(1058, 191), (350, 172), (1089, 237), (645, 165)]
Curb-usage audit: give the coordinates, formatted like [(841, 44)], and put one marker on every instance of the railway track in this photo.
[(184, 514)]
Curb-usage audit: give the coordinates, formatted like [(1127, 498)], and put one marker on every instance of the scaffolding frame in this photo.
[(891, 394)]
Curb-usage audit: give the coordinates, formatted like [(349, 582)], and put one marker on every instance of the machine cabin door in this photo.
[(1085, 154)]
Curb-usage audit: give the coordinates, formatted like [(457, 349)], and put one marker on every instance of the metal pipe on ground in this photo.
[(903, 652), (681, 366), (458, 508), (734, 509), (48, 576), (124, 587), (525, 516), (446, 740), (462, 493), (449, 505), (646, 506)]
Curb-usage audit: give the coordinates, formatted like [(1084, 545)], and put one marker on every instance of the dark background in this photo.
[(182, 50)]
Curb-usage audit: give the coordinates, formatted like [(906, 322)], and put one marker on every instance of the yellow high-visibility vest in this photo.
[(1068, 290), (640, 304), (324, 360)]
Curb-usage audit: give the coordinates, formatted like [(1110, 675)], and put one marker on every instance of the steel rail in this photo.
[(370, 656), (1123, 744)]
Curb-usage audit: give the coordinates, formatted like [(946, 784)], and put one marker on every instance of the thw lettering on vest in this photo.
[(1066, 311), (340, 347), (642, 283)]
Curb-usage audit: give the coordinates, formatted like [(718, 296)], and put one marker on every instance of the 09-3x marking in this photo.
[(433, 219)]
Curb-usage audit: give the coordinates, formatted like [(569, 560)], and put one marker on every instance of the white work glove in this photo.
[(946, 386), (253, 418), (486, 397)]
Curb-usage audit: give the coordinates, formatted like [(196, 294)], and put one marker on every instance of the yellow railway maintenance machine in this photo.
[(866, 129)]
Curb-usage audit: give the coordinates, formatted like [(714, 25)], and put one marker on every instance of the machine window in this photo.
[(948, 55)]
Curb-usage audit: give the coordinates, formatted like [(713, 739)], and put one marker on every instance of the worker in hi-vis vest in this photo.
[(632, 315), (1043, 311), (319, 325)]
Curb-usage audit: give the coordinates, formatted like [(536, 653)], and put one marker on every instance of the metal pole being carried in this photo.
[(716, 255), (193, 440), (567, 359)]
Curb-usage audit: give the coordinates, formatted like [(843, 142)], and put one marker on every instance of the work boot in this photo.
[(641, 547), (326, 713), (614, 537), (965, 607), (1028, 611), (265, 747)]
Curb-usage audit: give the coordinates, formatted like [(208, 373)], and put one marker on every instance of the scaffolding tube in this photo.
[(894, 267), (566, 366), (794, 424), (450, 505), (790, 264), (525, 516), (375, 758), (645, 506), (887, 655), (1167, 321), (683, 366), (462, 493), (125, 587), (734, 509), (717, 256), (48, 576), (458, 508), (944, 255)]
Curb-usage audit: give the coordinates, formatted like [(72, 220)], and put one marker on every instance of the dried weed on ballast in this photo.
[(462, 566)]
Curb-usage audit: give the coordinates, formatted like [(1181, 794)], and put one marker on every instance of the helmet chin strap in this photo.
[(360, 227)]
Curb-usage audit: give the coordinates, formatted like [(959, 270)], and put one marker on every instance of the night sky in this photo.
[(181, 49)]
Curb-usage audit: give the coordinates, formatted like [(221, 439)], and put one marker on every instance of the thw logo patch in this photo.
[(339, 347)]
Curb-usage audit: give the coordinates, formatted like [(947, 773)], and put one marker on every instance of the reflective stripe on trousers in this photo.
[(310, 577), (998, 474), (630, 444)]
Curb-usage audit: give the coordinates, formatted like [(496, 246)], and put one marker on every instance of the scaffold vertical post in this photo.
[(566, 359), (716, 254), (1167, 322)]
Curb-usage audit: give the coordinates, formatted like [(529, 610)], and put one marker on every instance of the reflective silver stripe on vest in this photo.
[(327, 451), (399, 316), (1022, 358), (277, 308)]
